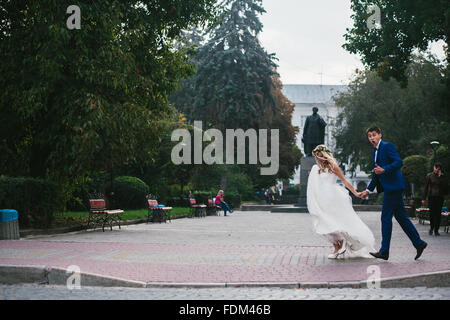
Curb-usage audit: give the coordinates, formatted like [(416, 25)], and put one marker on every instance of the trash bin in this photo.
[(9, 224)]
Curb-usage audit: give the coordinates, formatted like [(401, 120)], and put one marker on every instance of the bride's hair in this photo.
[(326, 161)]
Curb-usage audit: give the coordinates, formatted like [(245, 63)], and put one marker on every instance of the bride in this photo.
[(331, 209)]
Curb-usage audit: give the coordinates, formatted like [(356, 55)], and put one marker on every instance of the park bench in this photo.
[(197, 210), (98, 214), (410, 211), (445, 220), (423, 214), (157, 212), (213, 207)]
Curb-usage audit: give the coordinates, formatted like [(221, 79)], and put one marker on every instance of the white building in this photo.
[(307, 96)]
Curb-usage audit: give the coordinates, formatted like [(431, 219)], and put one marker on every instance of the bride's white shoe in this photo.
[(343, 248), (332, 256)]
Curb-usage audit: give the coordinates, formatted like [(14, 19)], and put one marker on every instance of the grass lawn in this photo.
[(72, 218)]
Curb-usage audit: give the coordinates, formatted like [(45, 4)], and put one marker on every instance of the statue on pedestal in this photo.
[(313, 135), (313, 132)]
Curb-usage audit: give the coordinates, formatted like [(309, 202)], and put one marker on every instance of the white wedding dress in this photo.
[(333, 216)]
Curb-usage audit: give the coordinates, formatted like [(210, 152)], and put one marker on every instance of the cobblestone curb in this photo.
[(40, 232), (14, 274)]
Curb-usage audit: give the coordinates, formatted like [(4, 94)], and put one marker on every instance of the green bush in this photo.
[(201, 197), (414, 170), (76, 204), (129, 193), (233, 199), (36, 200), (177, 202), (442, 156), (240, 183), (295, 190), (82, 191)]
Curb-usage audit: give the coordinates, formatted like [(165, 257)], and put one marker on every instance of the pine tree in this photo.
[(234, 76), (236, 85)]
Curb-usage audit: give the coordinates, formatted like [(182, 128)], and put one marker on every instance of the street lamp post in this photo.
[(435, 146)]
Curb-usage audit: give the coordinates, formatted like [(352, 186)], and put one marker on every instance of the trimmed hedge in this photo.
[(233, 199), (201, 197), (177, 202), (295, 191), (36, 200), (129, 193)]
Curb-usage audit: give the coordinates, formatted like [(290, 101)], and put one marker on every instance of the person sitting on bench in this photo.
[(220, 202)]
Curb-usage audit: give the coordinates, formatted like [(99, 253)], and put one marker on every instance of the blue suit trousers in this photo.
[(393, 206)]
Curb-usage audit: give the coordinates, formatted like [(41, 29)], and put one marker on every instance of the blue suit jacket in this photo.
[(392, 178)]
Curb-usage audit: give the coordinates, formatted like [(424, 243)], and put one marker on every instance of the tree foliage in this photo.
[(236, 85), (409, 117), (75, 101), (414, 169), (233, 80), (405, 25)]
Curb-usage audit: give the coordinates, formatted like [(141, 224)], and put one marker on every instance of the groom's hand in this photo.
[(378, 169), (363, 194)]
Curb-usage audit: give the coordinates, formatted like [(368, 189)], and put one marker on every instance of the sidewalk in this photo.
[(244, 249)]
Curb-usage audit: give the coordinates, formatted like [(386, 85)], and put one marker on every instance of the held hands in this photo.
[(378, 169), (363, 194)]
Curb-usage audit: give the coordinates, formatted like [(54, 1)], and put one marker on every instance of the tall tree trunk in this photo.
[(223, 182)]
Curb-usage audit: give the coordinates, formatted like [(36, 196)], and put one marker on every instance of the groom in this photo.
[(387, 177)]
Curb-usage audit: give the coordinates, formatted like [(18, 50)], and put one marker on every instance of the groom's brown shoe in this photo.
[(420, 250), (380, 255)]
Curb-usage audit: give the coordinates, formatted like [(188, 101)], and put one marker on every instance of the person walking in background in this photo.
[(435, 189), (268, 196), (220, 202)]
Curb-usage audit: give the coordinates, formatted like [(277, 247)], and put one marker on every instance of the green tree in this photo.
[(75, 101), (233, 81), (414, 170), (408, 117), (236, 85), (405, 25), (442, 156)]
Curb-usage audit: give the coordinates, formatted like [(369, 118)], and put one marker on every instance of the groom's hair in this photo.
[(373, 128)]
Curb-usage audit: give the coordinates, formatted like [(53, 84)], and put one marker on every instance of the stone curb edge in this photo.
[(17, 274), (57, 231)]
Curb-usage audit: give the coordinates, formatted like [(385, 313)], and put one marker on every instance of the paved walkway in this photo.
[(50, 292), (246, 247)]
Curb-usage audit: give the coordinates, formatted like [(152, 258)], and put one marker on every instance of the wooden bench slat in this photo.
[(114, 211), (155, 209), (98, 208)]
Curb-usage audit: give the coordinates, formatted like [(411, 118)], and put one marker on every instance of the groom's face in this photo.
[(374, 137)]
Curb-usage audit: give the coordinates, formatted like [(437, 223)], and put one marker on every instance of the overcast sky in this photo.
[(307, 38)]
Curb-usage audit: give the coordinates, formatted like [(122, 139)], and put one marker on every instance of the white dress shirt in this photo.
[(375, 159), (376, 151)]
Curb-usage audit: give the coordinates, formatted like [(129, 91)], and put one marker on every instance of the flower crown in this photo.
[(320, 148)]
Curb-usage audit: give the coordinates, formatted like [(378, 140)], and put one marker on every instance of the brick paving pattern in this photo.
[(244, 247)]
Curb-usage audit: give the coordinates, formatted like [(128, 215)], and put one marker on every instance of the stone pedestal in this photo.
[(305, 167)]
